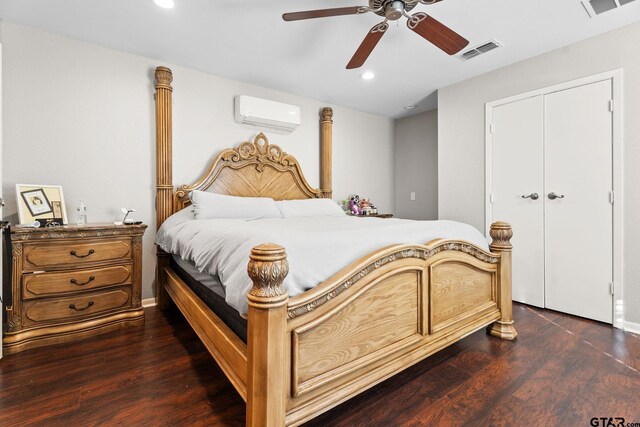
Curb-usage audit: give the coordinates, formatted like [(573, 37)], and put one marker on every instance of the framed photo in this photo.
[(42, 203)]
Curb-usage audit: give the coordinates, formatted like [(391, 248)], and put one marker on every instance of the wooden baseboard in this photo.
[(149, 302), (632, 327)]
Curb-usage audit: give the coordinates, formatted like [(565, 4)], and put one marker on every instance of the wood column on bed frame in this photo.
[(501, 234), (164, 170), (326, 141), (266, 335)]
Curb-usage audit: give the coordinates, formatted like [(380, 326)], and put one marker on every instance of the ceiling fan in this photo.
[(392, 10)]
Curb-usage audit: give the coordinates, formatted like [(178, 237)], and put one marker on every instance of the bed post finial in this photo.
[(164, 168), (266, 334), (501, 234), (325, 148), (164, 77)]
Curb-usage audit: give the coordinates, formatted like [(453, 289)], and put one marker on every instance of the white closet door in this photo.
[(579, 226), (517, 163)]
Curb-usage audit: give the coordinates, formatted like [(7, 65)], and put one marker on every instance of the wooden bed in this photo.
[(374, 318)]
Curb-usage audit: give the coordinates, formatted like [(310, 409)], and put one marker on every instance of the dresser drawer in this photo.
[(51, 284), (76, 307), (41, 255)]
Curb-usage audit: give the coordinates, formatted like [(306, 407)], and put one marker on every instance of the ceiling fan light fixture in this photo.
[(165, 4), (367, 75), (394, 10)]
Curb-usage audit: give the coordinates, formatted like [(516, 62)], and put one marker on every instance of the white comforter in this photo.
[(316, 247)]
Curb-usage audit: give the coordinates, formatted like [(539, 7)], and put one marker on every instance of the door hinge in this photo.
[(491, 198), (491, 128), (611, 288), (611, 197), (611, 105)]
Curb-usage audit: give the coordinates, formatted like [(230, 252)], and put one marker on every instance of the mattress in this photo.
[(209, 281), (210, 291)]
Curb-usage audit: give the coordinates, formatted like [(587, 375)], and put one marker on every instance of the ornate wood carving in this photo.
[(13, 321), (416, 251), (14, 313), (268, 268), (137, 242), (254, 169), (501, 234), (70, 233), (164, 168), (326, 141)]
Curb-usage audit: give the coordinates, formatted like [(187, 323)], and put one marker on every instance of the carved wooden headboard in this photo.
[(255, 169)]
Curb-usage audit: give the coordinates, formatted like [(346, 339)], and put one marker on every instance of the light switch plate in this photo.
[(412, 195)]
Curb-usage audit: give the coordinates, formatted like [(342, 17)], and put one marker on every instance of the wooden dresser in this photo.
[(73, 282)]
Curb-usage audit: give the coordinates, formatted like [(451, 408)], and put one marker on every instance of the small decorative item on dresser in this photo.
[(42, 203), (82, 213), (73, 282)]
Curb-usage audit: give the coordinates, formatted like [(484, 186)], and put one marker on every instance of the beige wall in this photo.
[(82, 116), (416, 159), (461, 133)]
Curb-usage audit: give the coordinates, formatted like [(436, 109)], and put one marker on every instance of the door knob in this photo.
[(532, 196), (553, 196)]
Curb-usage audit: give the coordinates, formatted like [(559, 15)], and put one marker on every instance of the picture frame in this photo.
[(42, 203)]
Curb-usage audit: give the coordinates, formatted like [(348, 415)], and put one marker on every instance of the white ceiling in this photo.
[(247, 40)]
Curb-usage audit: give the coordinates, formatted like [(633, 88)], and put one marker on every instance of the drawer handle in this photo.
[(73, 306), (75, 254), (75, 282)]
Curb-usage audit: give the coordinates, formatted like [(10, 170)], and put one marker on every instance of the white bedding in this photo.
[(317, 247)]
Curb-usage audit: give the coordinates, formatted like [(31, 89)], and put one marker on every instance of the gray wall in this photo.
[(416, 160), (461, 133), (82, 116)]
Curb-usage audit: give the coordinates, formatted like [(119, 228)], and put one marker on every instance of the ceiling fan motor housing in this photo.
[(390, 9)]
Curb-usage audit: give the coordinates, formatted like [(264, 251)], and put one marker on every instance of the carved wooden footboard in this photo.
[(371, 320)]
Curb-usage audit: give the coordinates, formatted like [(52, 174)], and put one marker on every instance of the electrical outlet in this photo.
[(412, 195)]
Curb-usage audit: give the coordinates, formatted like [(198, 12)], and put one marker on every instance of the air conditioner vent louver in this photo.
[(596, 7), (479, 50)]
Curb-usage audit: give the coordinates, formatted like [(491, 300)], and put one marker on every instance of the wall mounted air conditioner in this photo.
[(264, 113)]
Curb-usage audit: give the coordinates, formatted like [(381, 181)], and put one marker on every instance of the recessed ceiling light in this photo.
[(368, 75), (165, 4), (410, 107)]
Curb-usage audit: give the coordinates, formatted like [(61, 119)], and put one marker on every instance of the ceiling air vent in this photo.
[(596, 7), (479, 50)]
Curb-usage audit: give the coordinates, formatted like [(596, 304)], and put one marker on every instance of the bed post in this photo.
[(501, 234), (325, 144), (266, 333), (164, 169)]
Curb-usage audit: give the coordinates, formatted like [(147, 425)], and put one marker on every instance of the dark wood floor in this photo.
[(561, 370)]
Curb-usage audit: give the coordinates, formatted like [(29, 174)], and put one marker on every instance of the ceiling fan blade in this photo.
[(323, 13), (437, 33), (368, 44)]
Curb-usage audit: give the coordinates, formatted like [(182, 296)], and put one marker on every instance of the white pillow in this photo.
[(309, 208), (211, 205)]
